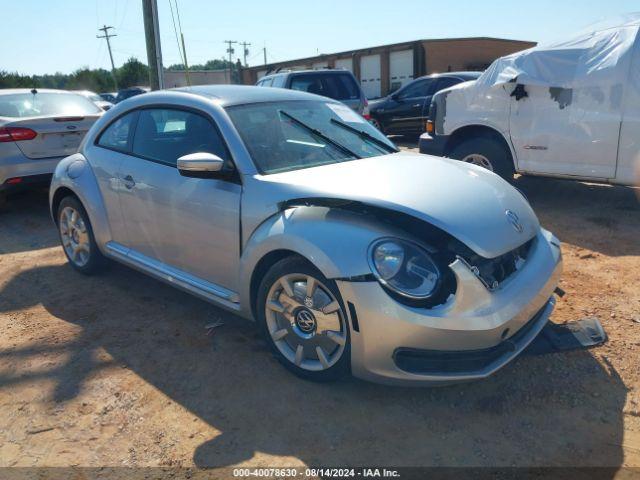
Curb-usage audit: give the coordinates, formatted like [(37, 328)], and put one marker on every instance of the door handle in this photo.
[(129, 182)]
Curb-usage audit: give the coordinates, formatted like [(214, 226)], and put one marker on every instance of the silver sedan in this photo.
[(291, 210), (38, 128)]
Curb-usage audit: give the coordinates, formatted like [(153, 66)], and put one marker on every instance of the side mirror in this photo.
[(200, 165)]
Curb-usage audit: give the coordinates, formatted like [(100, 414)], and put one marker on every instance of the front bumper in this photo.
[(470, 337), (433, 145)]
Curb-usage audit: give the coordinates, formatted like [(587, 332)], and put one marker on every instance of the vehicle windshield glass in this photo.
[(21, 105), (280, 136)]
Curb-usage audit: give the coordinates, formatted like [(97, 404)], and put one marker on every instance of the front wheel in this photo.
[(303, 320), (76, 236), (486, 153)]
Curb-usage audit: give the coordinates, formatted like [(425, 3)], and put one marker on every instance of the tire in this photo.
[(376, 123), (488, 153), (295, 326), (77, 239)]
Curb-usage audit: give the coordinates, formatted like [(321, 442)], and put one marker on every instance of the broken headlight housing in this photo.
[(404, 269)]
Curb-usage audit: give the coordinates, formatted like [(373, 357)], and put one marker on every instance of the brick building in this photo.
[(383, 69)]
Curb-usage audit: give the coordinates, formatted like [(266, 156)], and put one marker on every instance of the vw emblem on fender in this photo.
[(513, 219), (305, 320)]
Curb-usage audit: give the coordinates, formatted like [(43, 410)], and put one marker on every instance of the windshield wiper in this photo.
[(319, 134), (366, 136)]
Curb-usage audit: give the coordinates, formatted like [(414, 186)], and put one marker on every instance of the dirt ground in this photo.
[(117, 369)]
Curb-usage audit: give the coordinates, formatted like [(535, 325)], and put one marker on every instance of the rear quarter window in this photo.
[(339, 86)]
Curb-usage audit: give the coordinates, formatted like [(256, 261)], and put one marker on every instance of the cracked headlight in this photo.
[(404, 268)]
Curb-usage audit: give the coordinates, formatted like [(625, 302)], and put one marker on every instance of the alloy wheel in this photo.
[(305, 322), (75, 237)]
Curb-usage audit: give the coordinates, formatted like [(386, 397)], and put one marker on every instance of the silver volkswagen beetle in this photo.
[(290, 209)]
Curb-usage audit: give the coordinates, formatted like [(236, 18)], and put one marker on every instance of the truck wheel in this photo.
[(486, 153), (301, 315)]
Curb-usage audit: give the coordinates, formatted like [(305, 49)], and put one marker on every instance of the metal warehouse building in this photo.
[(384, 69)]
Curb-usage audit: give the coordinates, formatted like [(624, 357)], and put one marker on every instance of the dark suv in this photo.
[(340, 85), (406, 110)]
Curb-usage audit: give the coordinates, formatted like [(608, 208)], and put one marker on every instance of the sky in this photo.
[(47, 36)]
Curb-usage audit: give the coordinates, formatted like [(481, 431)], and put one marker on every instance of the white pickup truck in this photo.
[(569, 110)]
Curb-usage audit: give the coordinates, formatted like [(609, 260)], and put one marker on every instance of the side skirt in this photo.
[(201, 288)]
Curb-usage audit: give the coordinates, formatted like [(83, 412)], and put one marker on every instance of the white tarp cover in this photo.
[(598, 57)]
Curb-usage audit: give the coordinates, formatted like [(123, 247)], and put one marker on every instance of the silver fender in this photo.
[(75, 173), (334, 240)]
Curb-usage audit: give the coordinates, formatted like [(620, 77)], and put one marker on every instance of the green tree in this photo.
[(132, 72)]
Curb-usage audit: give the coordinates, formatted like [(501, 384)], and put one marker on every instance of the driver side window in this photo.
[(421, 88), (164, 135)]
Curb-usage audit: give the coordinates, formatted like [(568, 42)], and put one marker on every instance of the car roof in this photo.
[(462, 75), (9, 91), (322, 71), (242, 94)]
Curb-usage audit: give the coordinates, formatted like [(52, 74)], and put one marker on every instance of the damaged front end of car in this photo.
[(480, 314)]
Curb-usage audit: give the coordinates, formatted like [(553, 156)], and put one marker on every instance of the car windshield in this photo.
[(21, 105), (284, 136)]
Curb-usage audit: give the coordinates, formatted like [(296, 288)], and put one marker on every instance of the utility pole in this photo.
[(152, 37), (245, 52), (186, 64), (107, 36), (264, 53), (230, 51)]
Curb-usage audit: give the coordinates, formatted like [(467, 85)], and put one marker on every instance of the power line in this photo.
[(175, 31), (107, 36)]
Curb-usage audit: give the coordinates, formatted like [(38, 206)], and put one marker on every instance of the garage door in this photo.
[(261, 73), (345, 64), (370, 75), (319, 65), (400, 68)]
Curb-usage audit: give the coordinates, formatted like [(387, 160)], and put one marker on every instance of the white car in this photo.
[(566, 110), (95, 98)]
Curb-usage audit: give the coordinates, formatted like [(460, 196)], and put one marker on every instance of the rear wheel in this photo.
[(487, 153), (301, 315), (76, 236), (376, 124)]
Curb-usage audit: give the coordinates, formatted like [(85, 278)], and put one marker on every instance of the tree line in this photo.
[(133, 72)]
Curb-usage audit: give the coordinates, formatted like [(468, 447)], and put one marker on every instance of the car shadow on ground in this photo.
[(27, 211), (558, 410), (598, 217)]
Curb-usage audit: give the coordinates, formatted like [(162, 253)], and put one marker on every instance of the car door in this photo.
[(566, 131), (189, 224), (111, 149), (405, 112)]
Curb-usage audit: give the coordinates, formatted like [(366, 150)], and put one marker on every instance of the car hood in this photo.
[(466, 201)]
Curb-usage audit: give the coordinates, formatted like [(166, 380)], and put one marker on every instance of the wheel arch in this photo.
[(314, 233), (57, 197), (261, 269), (479, 131)]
